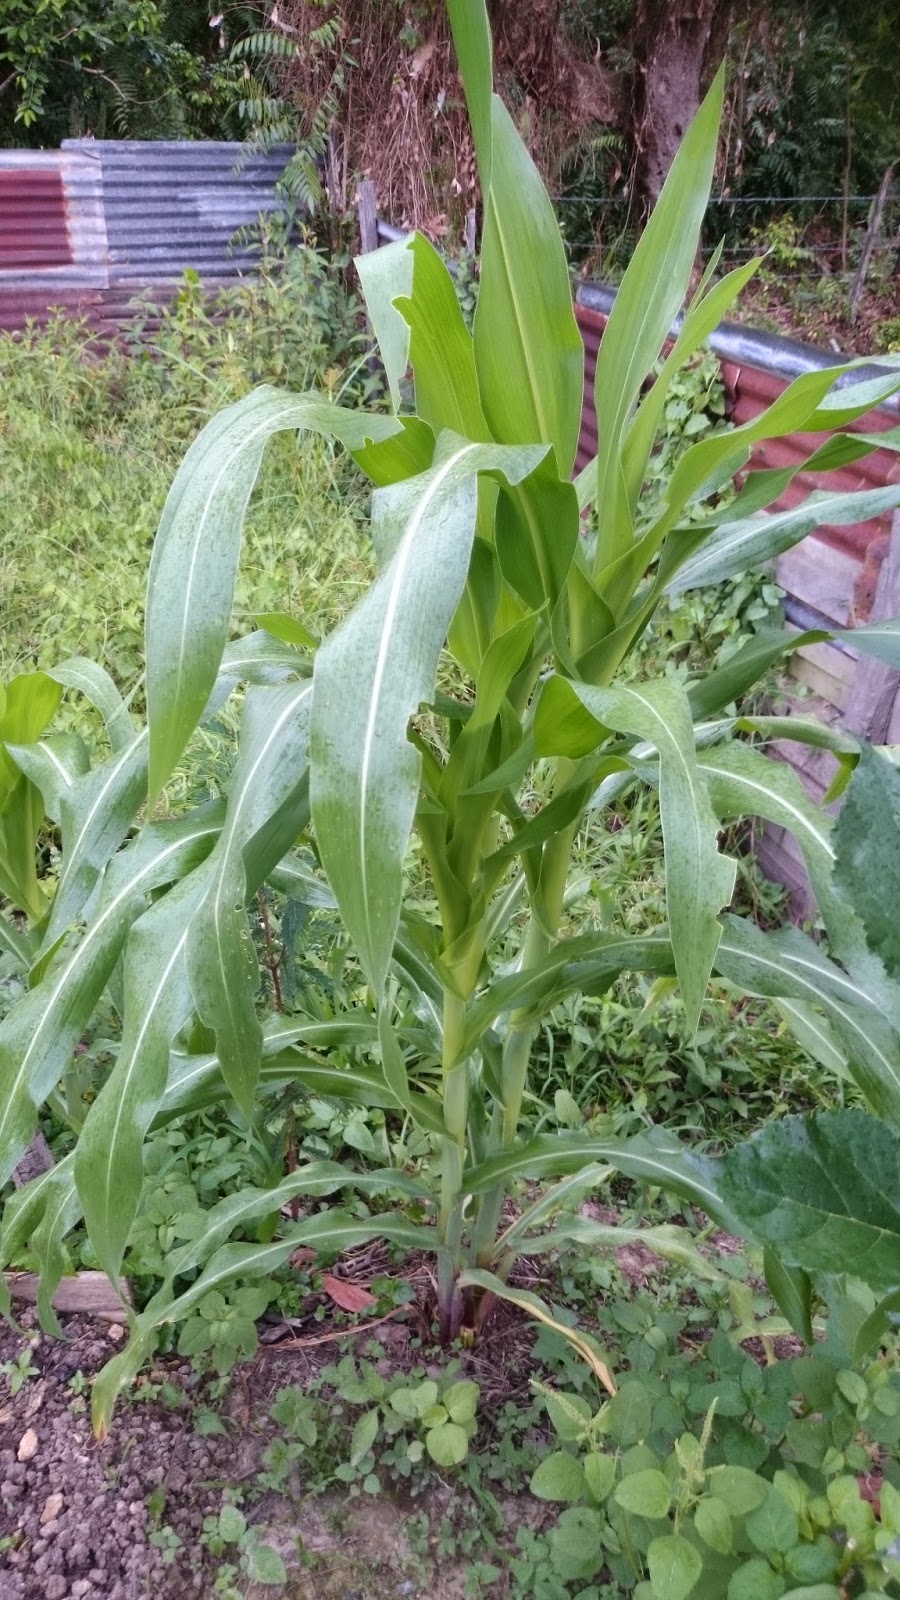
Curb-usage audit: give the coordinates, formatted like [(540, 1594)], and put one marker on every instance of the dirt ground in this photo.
[(76, 1516)]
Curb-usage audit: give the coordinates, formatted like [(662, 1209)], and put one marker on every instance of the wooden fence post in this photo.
[(368, 216), (874, 690)]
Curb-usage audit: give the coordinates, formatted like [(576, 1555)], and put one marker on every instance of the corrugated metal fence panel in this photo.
[(52, 233), (87, 227), (169, 206)]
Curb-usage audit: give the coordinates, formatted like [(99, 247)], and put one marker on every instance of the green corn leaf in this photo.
[(866, 840), (62, 1213), (53, 766), (560, 1197), (44, 1206), (198, 1082), (15, 943), (39, 1033), (742, 782), (671, 1243), (386, 274), (372, 674), (787, 964), (440, 347), (95, 813), (761, 489), (424, 1109), (536, 534), (815, 1035), (474, 52), (655, 1159), (221, 963), (317, 1180), (801, 1186), (755, 540), (791, 1289), (501, 662), (528, 350), (806, 406), (95, 683), (404, 455), (195, 555), (649, 298), (26, 707), (745, 668), (699, 881), (109, 1166), (294, 878), (701, 320), (261, 659), (281, 625), (588, 964), (19, 829)]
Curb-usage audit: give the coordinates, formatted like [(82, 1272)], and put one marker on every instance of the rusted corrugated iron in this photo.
[(88, 227)]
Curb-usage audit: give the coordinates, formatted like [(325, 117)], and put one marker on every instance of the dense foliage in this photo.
[(422, 779)]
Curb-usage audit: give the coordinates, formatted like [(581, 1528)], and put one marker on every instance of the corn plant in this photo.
[(496, 636)]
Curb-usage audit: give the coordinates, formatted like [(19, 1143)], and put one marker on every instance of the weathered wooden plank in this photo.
[(826, 670), (873, 696), (822, 577), (89, 1293)]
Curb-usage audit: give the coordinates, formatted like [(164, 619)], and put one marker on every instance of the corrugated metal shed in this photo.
[(88, 227)]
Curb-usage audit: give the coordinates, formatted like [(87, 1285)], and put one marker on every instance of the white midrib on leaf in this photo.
[(803, 823)]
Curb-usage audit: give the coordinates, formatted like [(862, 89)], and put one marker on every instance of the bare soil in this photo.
[(76, 1516)]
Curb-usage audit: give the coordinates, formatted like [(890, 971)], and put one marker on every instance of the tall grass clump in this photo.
[(92, 433)]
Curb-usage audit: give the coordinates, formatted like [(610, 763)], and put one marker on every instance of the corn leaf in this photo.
[(196, 551), (372, 674)]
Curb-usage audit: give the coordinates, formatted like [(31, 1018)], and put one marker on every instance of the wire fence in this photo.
[(589, 214)]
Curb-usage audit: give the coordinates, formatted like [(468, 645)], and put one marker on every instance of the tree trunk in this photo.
[(678, 45)]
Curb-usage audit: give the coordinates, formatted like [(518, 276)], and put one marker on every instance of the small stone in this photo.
[(77, 1555), (56, 1587), (99, 1576), (115, 1332), (51, 1529), (27, 1446), (80, 1589), (52, 1507)]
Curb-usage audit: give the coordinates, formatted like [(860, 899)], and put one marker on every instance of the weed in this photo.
[(18, 1372)]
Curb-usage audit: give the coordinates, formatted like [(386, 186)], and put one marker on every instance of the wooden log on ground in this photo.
[(89, 1294)]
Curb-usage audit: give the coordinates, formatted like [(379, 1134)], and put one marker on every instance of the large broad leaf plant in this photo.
[(492, 582)]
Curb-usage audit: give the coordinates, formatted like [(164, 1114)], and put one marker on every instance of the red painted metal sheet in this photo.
[(33, 225)]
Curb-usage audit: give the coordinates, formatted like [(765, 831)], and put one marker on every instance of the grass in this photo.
[(91, 439)]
